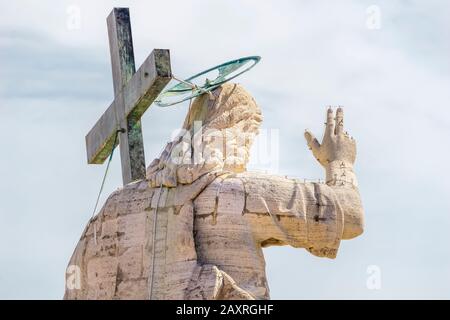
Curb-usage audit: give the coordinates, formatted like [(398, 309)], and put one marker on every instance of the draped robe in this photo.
[(208, 237)]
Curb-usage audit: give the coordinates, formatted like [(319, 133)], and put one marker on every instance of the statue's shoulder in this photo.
[(132, 198)]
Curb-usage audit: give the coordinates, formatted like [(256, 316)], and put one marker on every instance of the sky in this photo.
[(386, 62)]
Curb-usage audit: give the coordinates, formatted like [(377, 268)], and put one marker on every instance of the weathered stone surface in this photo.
[(196, 230)]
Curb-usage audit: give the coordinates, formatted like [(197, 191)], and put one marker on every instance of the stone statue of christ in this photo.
[(196, 226)]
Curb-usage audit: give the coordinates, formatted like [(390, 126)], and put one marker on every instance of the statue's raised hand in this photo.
[(337, 154), (337, 145)]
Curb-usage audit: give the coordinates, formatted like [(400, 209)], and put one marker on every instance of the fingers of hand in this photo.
[(313, 144), (339, 127), (329, 129), (335, 122)]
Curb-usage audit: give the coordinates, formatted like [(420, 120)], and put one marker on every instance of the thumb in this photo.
[(313, 144)]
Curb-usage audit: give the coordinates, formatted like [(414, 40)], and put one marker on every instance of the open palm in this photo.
[(336, 144)]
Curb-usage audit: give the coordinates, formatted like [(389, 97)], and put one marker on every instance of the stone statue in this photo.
[(195, 228)]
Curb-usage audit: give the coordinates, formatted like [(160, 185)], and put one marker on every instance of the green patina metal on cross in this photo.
[(134, 92)]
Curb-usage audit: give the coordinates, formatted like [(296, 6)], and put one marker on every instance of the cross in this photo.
[(134, 91)]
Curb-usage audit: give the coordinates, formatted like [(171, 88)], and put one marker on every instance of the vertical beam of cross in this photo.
[(123, 67), (134, 92)]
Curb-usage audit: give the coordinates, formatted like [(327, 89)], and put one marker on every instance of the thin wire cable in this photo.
[(103, 182), (106, 171)]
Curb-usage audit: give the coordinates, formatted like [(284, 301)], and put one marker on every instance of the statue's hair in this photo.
[(228, 119)]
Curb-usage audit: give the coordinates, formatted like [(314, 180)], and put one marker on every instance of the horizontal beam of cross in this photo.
[(132, 101)]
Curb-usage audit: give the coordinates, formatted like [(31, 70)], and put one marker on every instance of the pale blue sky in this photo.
[(394, 82)]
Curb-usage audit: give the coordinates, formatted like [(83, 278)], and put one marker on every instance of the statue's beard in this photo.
[(218, 140), (192, 155)]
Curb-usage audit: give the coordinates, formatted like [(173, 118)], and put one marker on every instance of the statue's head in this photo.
[(217, 134)]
